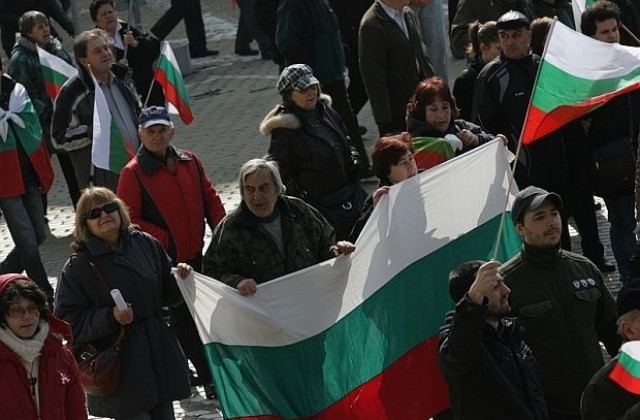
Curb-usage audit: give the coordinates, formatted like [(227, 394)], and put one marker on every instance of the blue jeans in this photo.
[(431, 22), (25, 219), (622, 224)]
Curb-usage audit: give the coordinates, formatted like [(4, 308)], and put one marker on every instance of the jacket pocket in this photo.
[(536, 310), (588, 295)]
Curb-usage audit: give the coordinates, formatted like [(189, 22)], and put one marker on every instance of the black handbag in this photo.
[(615, 167), (341, 207)]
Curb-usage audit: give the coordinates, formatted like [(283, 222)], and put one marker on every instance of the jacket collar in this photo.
[(150, 163), (120, 71)]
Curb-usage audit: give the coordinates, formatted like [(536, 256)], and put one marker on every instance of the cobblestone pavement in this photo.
[(230, 95)]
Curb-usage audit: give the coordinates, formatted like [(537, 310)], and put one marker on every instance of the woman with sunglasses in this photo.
[(39, 376), (112, 254)]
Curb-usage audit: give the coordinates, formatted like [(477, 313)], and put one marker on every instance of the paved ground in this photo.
[(230, 96)]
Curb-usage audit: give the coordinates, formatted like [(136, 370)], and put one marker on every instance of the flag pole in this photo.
[(155, 68), (126, 47), (519, 148), (631, 34)]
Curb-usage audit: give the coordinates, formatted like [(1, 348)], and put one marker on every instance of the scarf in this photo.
[(27, 349)]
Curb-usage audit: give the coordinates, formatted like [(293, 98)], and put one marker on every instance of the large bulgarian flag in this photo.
[(168, 75), (55, 72), (577, 74), (356, 337), (110, 150), (626, 371)]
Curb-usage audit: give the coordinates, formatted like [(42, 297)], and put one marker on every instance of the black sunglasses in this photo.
[(109, 207)]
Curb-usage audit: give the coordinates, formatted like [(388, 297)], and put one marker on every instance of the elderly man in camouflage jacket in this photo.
[(269, 234)]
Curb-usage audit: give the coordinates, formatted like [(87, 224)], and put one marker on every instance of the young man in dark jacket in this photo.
[(491, 372), (562, 302)]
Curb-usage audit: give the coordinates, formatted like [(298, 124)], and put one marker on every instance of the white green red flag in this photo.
[(431, 151), (55, 72), (626, 371), (110, 150), (578, 6), (577, 74), (168, 75), (355, 338)]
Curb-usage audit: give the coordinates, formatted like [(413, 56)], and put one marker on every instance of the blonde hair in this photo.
[(93, 197)]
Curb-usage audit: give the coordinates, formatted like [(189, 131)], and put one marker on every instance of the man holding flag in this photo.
[(98, 107), (612, 131)]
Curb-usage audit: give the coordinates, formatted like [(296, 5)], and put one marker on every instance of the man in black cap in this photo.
[(561, 300), (604, 398), (490, 370)]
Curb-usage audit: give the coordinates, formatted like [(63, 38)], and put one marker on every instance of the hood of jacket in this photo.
[(28, 45), (280, 117)]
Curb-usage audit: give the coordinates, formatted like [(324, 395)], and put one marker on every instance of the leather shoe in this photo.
[(205, 53), (248, 52)]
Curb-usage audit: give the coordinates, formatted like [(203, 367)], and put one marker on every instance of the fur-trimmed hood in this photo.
[(278, 117)]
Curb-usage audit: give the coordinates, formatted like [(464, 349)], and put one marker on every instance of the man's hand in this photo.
[(487, 278), (247, 287), (184, 270), (129, 39), (343, 248)]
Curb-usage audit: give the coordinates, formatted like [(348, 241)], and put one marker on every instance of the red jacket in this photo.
[(60, 392), (171, 206)]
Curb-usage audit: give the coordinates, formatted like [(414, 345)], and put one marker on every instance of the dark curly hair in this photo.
[(598, 12), (426, 93), (96, 4), (388, 151)]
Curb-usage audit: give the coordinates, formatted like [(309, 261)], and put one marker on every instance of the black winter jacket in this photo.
[(603, 399), (563, 303), (491, 373)]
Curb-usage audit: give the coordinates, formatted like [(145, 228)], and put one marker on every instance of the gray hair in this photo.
[(30, 19), (255, 165)]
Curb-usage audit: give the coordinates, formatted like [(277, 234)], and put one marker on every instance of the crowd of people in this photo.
[(523, 341)]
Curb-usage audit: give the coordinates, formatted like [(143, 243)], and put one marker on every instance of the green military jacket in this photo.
[(242, 249)]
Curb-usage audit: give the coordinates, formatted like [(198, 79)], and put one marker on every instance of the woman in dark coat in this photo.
[(141, 49), (108, 250), (309, 141), (437, 134)]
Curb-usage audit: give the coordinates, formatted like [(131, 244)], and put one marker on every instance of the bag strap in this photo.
[(98, 275)]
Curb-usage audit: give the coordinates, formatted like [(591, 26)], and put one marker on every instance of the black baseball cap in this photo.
[(530, 199)]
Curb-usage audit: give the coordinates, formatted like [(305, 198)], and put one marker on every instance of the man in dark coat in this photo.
[(490, 370), (392, 61), (604, 398)]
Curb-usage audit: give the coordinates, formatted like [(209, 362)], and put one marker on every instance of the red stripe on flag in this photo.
[(172, 95), (411, 388), (539, 123), (623, 378), (428, 159), (51, 90)]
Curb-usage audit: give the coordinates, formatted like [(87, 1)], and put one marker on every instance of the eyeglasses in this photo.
[(18, 312), (109, 207)]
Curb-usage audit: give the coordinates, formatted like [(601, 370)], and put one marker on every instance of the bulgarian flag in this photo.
[(55, 72), (626, 371), (577, 74), (110, 149), (168, 75), (578, 7), (431, 151), (356, 337)]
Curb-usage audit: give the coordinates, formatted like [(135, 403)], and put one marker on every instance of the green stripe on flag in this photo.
[(118, 155), (631, 365), (561, 88), (51, 76), (402, 314)]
